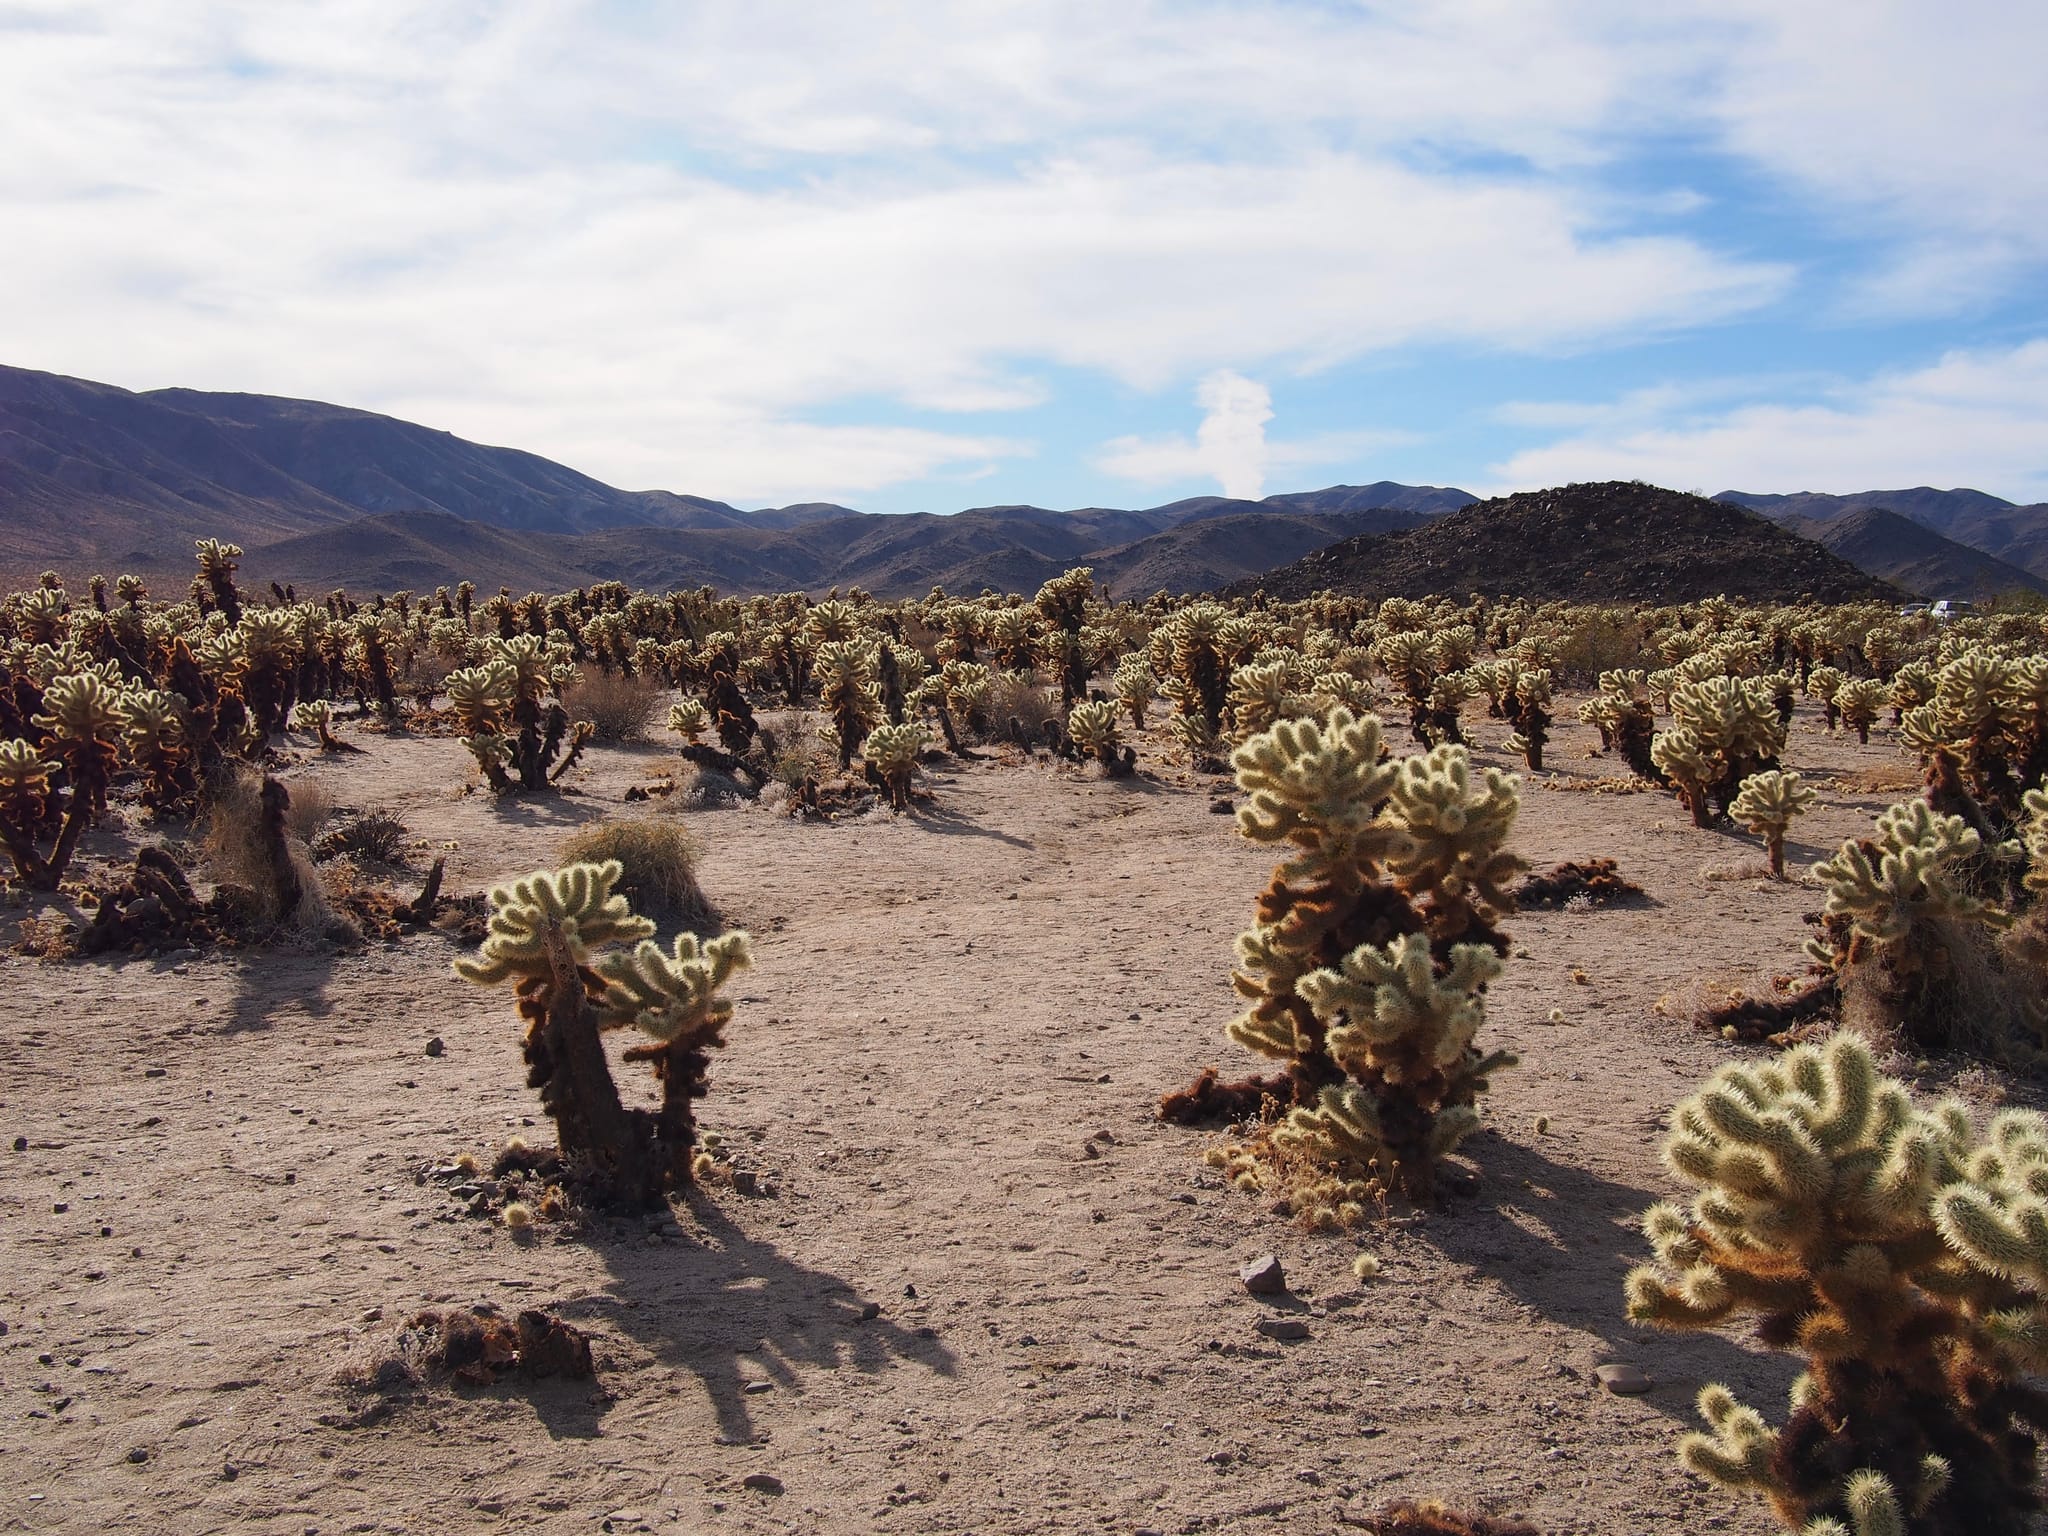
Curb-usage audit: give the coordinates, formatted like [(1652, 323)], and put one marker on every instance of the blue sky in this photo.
[(942, 253)]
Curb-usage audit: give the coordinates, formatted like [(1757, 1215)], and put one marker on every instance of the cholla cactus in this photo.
[(1187, 656), (521, 737), (82, 723), (317, 719), (545, 931), (1899, 910), (1623, 714), (892, 752), (215, 583), (689, 720), (674, 998), (1453, 856), (1822, 684), (1874, 1237), (1859, 700), (1525, 698), (153, 735), (482, 696), (1136, 687), (1724, 730), (1767, 804), (1091, 727), (1375, 932), (846, 689), (1259, 697)]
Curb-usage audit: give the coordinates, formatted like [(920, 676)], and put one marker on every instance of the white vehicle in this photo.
[(1950, 608)]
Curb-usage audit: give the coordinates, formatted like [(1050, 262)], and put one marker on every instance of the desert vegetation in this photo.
[(468, 788)]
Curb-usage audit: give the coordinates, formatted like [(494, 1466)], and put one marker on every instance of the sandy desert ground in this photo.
[(946, 1063)]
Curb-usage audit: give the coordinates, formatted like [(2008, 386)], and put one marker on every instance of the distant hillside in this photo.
[(98, 478), (2010, 532), (1611, 541), (888, 556), (1915, 557)]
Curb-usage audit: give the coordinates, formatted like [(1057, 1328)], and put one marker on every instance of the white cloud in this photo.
[(1230, 446), (652, 241), (1977, 418), (1231, 442)]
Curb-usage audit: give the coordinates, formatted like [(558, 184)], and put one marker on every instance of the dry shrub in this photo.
[(377, 836), (660, 862), (1755, 869), (1978, 1010), (1014, 697), (619, 708), (1886, 779), (1602, 640), (310, 810), (238, 855), (423, 679), (800, 755)]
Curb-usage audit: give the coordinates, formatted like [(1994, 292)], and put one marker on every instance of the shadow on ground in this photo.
[(731, 1308), (1571, 1271)]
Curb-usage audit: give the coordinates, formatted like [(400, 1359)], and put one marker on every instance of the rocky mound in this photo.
[(1607, 541)]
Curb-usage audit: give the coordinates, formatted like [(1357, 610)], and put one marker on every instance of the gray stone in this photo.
[(1624, 1380), (1263, 1276), (1285, 1328), (762, 1482)]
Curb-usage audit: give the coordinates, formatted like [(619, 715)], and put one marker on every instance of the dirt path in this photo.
[(948, 1056)]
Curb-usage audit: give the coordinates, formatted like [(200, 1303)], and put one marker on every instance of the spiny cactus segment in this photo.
[(1896, 1251)]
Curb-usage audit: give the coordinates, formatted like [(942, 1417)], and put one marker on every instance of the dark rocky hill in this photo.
[(1608, 541)]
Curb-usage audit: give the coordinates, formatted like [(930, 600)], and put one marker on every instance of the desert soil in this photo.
[(946, 1060)]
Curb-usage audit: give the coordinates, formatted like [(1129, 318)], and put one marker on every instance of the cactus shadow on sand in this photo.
[(950, 823), (731, 1308), (1573, 1276)]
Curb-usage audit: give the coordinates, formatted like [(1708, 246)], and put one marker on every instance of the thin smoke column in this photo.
[(1231, 444)]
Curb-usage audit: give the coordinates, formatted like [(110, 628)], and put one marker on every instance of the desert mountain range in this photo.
[(93, 477)]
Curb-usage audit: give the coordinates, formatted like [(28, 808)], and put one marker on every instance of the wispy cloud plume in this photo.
[(1231, 442)]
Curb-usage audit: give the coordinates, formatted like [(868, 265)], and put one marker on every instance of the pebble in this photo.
[(156, 1072), (1285, 1328), (762, 1482), (138, 1456), (754, 1388), (21, 1143), (1624, 1380), (870, 1310), (435, 1047), (1263, 1276)]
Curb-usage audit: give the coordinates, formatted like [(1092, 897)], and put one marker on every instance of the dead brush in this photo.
[(376, 837), (1885, 779), (620, 709), (1020, 710), (250, 844), (659, 863)]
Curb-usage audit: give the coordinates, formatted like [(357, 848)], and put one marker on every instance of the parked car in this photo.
[(1950, 608)]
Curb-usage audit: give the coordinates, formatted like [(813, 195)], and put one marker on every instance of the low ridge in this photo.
[(1603, 541)]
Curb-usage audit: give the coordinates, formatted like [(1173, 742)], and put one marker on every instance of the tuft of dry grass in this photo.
[(235, 850), (1886, 779), (1011, 697), (311, 808), (619, 708), (660, 863)]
